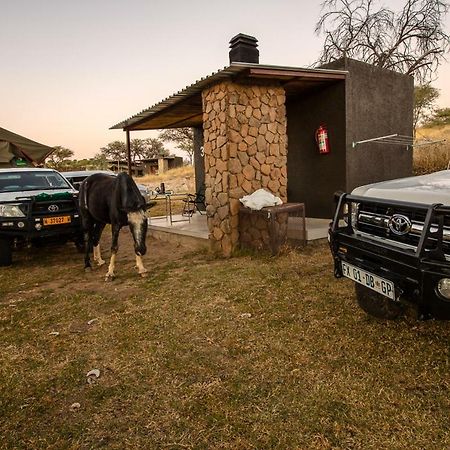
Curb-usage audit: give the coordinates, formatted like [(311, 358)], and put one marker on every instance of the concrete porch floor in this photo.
[(195, 232)]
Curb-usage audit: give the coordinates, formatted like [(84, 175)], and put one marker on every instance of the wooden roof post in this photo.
[(128, 144)]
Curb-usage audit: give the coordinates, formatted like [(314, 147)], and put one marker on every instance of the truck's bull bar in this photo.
[(415, 271), (9, 226)]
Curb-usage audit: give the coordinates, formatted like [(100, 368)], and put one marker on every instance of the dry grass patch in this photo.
[(181, 179), (433, 157), (250, 352)]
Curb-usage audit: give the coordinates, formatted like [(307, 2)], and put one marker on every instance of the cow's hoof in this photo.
[(144, 274), (88, 269), (101, 263), (110, 277)]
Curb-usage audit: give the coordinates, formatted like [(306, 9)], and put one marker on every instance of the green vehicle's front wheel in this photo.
[(5, 252), (80, 244), (377, 305)]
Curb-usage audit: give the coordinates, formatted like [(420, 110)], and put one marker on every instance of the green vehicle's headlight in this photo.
[(11, 211), (444, 288)]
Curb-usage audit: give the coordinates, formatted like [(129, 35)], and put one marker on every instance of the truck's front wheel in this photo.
[(5, 252), (377, 305)]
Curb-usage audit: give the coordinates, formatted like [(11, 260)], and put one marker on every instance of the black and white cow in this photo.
[(115, 200)]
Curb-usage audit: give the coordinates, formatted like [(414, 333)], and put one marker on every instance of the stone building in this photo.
[(254, 127)]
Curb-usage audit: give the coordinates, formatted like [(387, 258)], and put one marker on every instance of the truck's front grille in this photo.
[(376, 220), (53, 208), (414, 215)]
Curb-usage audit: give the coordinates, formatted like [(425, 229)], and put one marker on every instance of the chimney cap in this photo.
[(244, 48), (242, 38)]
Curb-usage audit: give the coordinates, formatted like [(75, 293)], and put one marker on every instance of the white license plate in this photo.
[(371, 281)]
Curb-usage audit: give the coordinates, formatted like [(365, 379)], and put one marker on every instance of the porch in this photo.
[(195, 232)]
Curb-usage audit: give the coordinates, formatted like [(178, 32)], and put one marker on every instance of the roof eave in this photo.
[(227, 72)]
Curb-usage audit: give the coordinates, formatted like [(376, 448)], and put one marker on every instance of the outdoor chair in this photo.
[(194, 202)]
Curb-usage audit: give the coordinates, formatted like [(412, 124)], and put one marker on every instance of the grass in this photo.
[(180, 180), (171, 176), (251, 352), (432, 157)]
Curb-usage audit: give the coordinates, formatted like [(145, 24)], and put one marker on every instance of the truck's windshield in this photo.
[(30, 181)]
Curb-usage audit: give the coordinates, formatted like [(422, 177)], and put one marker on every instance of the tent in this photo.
[(16, 150)]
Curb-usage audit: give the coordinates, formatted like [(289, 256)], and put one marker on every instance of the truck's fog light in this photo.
[(38, 226), (444, 288), (20, 224)]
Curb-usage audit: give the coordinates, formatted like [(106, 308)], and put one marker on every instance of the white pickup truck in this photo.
[(395, 245)]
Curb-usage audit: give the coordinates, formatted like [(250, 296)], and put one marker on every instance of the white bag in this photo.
[(259, 199)]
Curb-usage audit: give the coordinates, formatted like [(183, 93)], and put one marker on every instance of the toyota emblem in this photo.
[(53, 208), (399, 224)]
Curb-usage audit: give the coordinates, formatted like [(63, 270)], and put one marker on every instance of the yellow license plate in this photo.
[(56, 220)]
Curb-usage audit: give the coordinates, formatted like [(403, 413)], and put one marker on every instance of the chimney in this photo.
[(244, 48)]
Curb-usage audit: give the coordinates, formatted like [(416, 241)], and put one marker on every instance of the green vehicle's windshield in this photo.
[(31, 181)]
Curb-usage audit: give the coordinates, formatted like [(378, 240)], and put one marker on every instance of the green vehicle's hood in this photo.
[(51, 194)]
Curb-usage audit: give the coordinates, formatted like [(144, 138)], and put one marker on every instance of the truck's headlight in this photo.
[(354, 214), (11, 211), (444, 288), (351, 209)]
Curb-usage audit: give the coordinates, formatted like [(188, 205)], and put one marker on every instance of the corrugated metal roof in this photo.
[(197, 87)]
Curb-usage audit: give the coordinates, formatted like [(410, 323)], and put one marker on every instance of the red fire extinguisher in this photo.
[(322, 140)]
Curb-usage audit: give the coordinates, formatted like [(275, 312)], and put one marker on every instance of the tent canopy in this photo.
[(14, 146)]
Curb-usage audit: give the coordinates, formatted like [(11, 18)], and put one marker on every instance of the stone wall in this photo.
[(245, 146)]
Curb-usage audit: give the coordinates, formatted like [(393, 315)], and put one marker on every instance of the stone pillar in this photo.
[(245, 146)]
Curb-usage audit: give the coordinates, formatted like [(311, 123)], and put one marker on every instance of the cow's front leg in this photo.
[(98, 256), (140, 266), (112, 265), (114, 248)]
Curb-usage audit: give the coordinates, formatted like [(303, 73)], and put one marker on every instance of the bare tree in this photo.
[(411, 41)]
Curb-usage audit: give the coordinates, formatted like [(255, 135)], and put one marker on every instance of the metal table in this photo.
[(167, 197), (270, 214)]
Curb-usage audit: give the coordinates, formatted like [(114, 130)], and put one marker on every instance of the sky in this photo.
[(72, 69)]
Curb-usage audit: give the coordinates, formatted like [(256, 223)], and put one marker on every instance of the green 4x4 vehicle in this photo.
[(37, 206)]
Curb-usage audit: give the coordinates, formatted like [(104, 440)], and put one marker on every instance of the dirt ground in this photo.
[(250, 352), (68, 262)]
